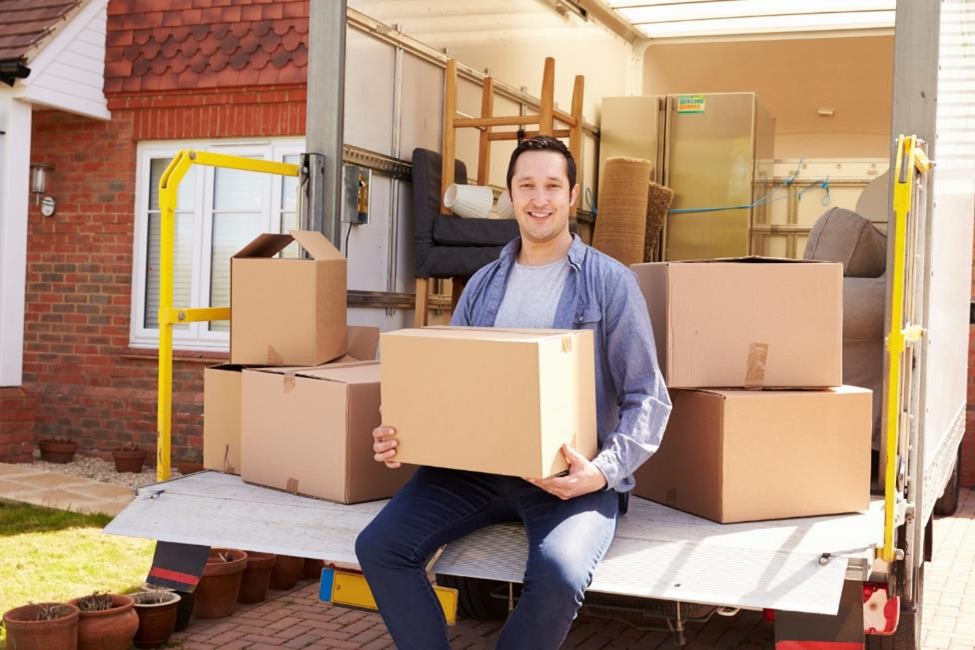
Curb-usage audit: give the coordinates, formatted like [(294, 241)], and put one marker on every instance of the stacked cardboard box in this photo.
[(295, 407), (761, 428)]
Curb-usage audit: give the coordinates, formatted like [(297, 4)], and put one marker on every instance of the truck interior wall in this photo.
[(793, 79), (603, 62)]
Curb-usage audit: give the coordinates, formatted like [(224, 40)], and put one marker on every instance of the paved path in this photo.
[(296, 619), (21, 482)]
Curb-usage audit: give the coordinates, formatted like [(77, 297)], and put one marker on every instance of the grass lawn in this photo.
[(53, 555)]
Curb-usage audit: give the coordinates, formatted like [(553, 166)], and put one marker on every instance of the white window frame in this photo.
[(197, 336)]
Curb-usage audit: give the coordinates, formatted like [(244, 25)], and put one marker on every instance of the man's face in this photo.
[(541, 196)]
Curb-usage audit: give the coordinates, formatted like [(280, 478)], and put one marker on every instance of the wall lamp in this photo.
[(38, 187)]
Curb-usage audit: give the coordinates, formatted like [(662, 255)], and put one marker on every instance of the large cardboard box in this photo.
[(221, 401), (749, 322), (309, 431), (740, 455), (287, 312), (490, 400)]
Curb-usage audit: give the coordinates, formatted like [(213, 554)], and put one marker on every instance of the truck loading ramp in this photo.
[(790, 564)]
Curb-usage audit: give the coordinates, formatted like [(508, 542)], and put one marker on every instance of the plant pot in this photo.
[(157, 620), (286, 571), (184, 609), (257, 576), (185, 467), (57, 451), (313, 569), (129, 460), (26, 633), (216, 594), (109, 629)]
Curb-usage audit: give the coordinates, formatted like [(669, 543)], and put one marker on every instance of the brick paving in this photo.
[(296, 619)]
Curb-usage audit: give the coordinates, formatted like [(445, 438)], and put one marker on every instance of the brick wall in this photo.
[(18, 409), (88, 384)]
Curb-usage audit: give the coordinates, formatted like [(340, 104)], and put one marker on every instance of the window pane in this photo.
[(185, 195), (183, 267), (289, 188), (289, 222), (231, 232), (234, 189)]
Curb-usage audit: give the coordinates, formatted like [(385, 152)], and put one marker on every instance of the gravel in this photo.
[(98, 470)]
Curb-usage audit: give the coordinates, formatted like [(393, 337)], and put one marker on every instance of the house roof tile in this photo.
[(25, 25), (167, 44)]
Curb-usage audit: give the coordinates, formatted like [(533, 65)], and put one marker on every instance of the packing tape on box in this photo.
[(567, 343), (755, 366), (288, 381), (228, 468), (274, 357), (292, 486)]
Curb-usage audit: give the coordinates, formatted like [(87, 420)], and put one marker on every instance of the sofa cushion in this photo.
[(841, 235)]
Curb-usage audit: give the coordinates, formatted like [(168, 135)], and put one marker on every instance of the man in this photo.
[(547, 278)]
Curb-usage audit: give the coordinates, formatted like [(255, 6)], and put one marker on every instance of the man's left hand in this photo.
[(583, 477)]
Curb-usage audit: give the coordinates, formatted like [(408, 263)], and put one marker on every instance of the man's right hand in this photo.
[(384, 445)]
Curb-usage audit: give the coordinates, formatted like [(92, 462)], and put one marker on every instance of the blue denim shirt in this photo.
[(600, 294)]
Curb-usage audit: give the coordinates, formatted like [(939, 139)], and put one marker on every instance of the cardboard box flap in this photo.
[(316, 244), (362, 342), (266, 245), (750, 259), (486, 333), (346, 373)]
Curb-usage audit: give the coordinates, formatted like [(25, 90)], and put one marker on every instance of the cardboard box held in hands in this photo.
[(746, 323), (221, 401), (287, 312), (488, 399), (742, 455)]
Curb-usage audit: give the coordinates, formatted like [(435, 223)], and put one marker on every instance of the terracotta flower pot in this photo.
[(25, 632), (129, 460), (57, 451), (157, 620), (286, 571), (108, 629), (313, 569), (216, 595), (188, 467), (257, 576)]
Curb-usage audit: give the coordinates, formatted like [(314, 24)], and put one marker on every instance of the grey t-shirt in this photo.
[(532, 295)]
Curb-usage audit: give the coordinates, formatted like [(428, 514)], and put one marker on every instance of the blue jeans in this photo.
[(566, 540)]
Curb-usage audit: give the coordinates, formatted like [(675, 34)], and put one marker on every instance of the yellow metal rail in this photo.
[(910, 158), (169, 315)]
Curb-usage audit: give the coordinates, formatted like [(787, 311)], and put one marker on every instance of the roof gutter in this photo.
[(13, 69)]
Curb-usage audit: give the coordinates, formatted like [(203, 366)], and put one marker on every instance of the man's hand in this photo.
[(583, 477), (384, 445)]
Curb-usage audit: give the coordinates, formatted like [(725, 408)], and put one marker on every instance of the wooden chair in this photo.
[(544, 122)]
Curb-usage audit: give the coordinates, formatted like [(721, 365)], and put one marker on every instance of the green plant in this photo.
[(95, 602)]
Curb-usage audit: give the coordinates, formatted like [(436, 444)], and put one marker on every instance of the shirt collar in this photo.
[(577, 252)]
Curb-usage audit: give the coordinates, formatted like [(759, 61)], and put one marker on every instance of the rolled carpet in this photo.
[(621, 220), (659, 200)]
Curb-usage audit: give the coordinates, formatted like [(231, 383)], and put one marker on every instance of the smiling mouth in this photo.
[(539, 215)]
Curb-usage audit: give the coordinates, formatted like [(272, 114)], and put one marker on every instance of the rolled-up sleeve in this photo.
[(643, 402)]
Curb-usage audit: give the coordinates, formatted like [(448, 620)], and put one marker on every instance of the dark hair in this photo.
[(543, 143)]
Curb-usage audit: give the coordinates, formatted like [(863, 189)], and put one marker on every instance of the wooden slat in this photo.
[(513, 135), (449, 137), (484, 141), (547, 98), (478, 122)]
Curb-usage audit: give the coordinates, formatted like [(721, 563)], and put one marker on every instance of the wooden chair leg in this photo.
[(421, 308)]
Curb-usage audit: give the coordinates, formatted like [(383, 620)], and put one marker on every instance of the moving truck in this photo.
[(663, 563)]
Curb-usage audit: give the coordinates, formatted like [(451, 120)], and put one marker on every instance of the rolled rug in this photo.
[(659, 200), (621, 218)]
